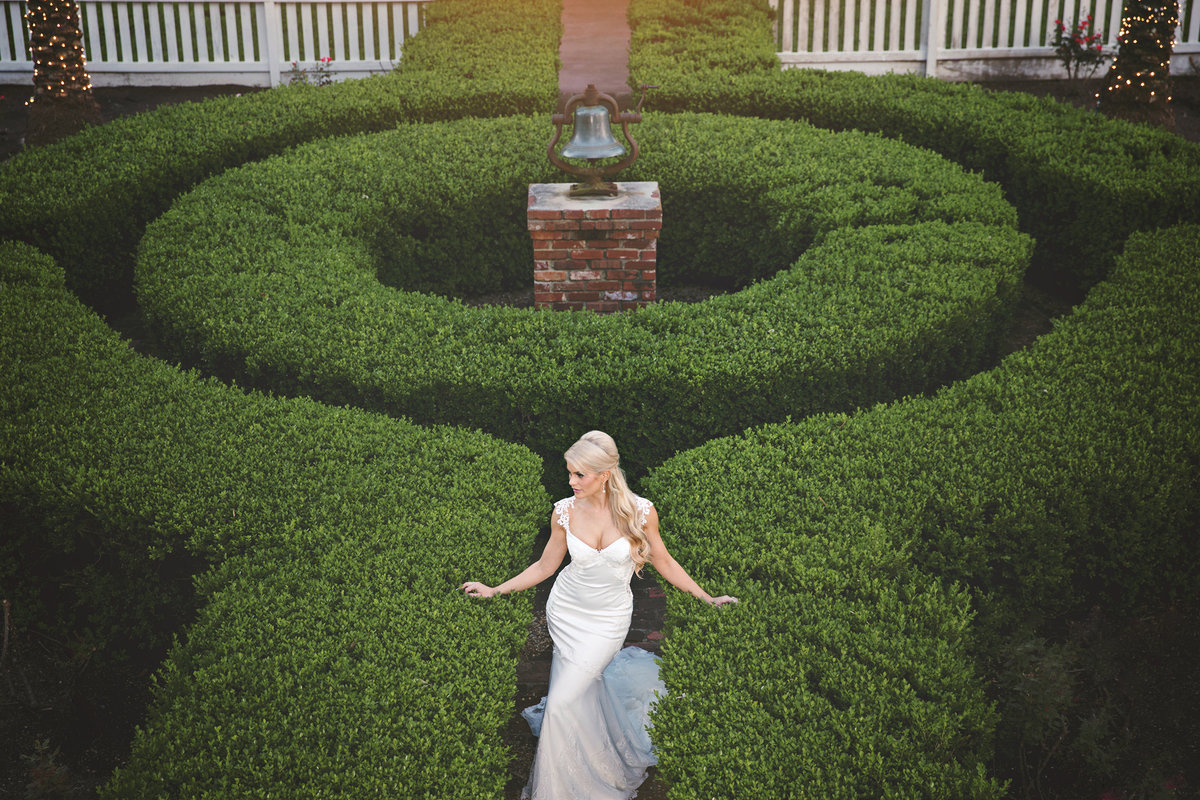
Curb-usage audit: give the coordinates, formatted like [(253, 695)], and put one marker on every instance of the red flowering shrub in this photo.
[(1078, 46)]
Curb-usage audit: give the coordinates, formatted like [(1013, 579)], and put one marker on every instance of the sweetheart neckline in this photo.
[(596, 549), (567, 527)]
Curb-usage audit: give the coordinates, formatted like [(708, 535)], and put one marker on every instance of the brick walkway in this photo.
[(595, 48)]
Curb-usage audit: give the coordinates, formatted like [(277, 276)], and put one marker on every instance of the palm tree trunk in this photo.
[(63, 102)]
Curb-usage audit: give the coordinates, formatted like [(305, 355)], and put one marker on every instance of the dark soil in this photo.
[(114, 102), (1082, 94), (53, 118), (65, 723)]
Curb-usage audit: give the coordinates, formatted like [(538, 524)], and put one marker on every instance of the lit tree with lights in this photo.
[(1138, 87), (62, 102)]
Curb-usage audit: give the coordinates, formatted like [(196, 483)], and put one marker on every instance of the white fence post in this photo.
[(274, 41), (932, 34)]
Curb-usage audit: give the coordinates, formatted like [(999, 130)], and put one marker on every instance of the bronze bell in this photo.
[(592, 136), (592, 139)]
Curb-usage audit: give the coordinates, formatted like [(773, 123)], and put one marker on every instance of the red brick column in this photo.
[(597, 253)]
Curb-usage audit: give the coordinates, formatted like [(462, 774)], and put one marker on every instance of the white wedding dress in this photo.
[(593, 739)]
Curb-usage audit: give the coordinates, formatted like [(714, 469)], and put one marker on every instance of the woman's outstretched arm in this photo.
[(535, 573), (669, 568)]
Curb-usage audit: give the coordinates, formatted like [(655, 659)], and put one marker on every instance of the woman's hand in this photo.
[(477, 589), (722, 600)]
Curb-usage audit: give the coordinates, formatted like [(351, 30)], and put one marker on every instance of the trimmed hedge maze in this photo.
[(268, 274), (335, 537), (311, 669), (875, 551), (1065, 475)]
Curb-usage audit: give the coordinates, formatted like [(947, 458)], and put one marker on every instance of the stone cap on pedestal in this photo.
[(631, 196)]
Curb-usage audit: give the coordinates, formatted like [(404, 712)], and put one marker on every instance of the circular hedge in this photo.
[(902, 268), (907, 717)]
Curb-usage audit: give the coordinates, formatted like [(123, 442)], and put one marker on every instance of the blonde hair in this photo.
[(596, 452)]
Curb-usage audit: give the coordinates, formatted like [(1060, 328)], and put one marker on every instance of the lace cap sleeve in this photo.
[(562, 511), (643, 510)]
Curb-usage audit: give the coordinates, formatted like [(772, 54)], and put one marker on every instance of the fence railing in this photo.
[(244, 42), (255, 42), (956, 39)]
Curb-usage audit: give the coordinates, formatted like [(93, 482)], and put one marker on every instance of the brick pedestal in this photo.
[(597, 253)]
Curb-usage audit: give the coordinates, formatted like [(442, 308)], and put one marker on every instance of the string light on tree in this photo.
[(56, 48), (1138, 87), (62, 102)]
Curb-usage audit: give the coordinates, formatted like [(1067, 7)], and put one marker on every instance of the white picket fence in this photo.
[(975, 40), (242, 42), (255, 42)]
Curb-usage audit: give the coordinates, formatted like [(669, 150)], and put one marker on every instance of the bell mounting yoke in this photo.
[(593, 176)]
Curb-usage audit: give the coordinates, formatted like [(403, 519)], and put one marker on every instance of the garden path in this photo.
[(594, 48)]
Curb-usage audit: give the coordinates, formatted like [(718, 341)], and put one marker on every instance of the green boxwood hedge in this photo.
[(887, 695), (86, 200), (1081, 183), (673, 40), (1066, 474), (268, 274), (331, 655)]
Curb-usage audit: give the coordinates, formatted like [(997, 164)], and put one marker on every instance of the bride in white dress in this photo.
[(593, 743)]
